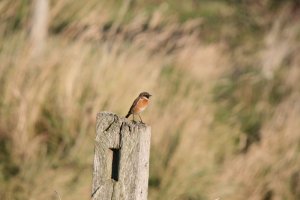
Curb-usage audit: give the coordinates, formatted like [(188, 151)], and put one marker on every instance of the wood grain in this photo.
[(121, 161)]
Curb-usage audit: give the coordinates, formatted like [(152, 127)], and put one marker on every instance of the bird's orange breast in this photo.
[(141, 105)]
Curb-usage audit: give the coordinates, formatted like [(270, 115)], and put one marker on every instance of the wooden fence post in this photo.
[(121, 160)]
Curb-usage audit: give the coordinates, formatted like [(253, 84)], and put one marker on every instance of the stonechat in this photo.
[(139, 104)]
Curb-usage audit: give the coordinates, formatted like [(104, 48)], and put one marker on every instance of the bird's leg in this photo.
[(140, 118)]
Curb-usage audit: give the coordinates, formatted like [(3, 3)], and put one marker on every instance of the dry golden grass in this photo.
[(49, 101)]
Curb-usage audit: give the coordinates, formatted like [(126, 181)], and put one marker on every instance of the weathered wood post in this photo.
[(121, 161)]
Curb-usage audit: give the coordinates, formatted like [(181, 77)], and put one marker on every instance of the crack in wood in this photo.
[(115, 119), (115, 164), (95, 191), (121, 135), (113, 191)]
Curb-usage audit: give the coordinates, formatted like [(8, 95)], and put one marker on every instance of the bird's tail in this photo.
[(128, 115)]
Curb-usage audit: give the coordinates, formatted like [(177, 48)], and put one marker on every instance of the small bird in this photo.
[(139, 104)]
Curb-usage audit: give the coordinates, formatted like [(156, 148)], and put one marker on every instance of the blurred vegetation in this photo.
[(248, 99), (224, 77)]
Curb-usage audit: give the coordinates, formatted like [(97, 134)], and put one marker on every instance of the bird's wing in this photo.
[(133, 105)]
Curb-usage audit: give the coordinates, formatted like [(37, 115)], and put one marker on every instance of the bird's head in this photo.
[(145, 94)]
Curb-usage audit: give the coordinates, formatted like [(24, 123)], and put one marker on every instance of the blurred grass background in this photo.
[(224, 75)]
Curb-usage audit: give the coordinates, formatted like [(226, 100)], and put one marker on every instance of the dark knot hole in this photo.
[(115, 164)]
